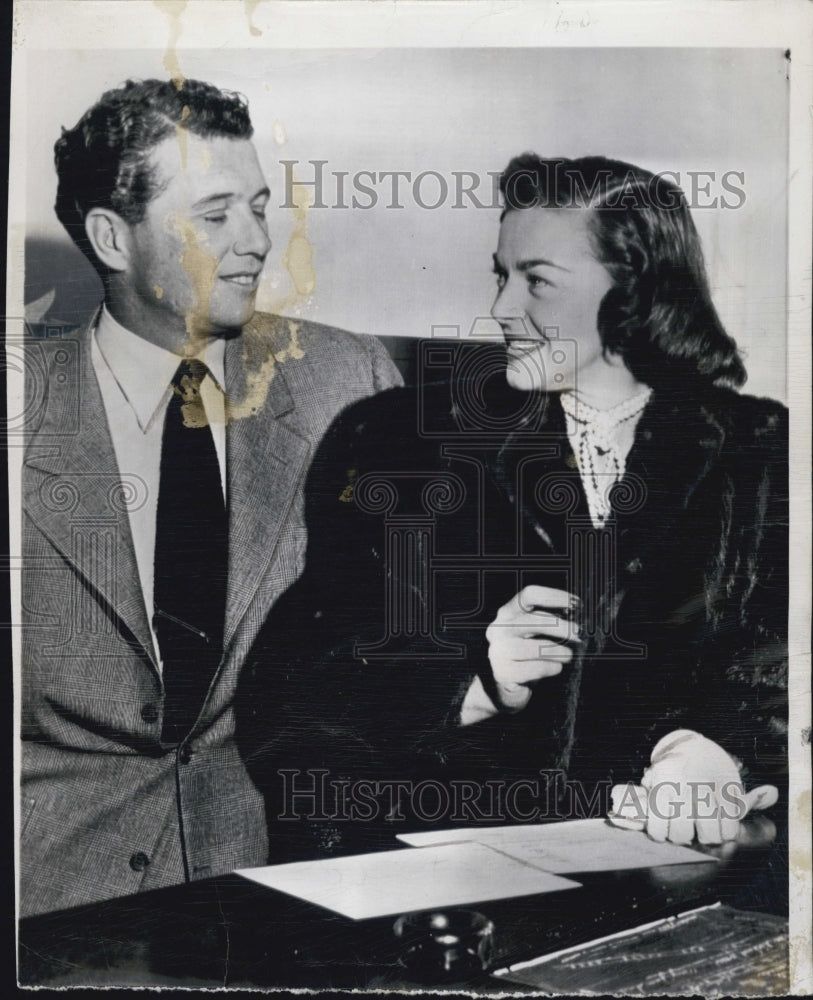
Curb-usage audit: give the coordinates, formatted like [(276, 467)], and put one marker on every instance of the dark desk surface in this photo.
[(231, 932)]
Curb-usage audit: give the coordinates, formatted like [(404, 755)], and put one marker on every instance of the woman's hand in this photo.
[(529, 640), (691, 788)]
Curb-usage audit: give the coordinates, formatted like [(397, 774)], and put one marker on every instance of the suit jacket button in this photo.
[(139, 861), (185, 754), (149, 712)]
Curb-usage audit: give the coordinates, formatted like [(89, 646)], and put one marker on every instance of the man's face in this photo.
[(550, 289), (197, 255)]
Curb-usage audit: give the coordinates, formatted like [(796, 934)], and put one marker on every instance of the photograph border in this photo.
[(239, 24)]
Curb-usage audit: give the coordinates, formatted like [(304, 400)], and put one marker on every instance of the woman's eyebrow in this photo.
[(526, 265)]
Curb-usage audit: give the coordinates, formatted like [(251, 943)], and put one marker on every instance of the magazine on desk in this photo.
[(401, 406)]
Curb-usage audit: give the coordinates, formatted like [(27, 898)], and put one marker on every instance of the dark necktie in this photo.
[(190, 555)]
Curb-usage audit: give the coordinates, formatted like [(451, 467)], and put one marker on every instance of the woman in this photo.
[(552, 575)]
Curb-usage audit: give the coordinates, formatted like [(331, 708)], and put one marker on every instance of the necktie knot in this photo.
[(189, 375), (186, 385)]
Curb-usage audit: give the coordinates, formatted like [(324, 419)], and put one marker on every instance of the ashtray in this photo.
[(447, 945)]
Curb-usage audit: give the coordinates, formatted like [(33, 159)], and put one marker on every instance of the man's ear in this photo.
[(109, 236)]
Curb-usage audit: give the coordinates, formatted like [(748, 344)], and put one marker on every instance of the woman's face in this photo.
[(550, 288)]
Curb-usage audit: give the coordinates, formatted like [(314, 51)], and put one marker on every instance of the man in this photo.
[(166, 449)]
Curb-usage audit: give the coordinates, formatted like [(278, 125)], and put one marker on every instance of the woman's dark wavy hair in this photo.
[(658, 315), (103, 161)]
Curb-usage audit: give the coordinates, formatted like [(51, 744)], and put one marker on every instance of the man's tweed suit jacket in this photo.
[(106, 811)]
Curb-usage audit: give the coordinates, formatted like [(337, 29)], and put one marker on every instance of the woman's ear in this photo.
[(108, 234)]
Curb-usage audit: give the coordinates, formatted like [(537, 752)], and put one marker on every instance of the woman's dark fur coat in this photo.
[(684, 605)]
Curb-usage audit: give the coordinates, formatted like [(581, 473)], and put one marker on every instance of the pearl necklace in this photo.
[(595, 438)]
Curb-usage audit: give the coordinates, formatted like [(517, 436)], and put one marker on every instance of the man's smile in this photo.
[(246, 279)]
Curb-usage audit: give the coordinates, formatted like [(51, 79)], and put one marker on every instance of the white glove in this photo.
[(691, 786)]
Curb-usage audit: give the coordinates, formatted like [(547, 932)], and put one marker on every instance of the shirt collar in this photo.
[(142, 370)]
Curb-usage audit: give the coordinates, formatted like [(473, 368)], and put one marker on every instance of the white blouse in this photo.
[(601, 441)]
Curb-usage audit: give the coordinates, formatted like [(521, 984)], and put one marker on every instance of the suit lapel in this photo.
[(74, 494), (265, 460)]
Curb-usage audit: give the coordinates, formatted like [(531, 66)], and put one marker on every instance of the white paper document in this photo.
[(581, 845), (388, 882)]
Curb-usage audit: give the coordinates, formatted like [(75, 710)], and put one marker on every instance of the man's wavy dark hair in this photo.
[(104, 160), (658, 315)]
